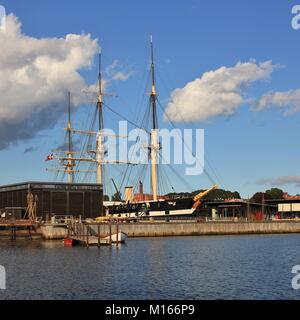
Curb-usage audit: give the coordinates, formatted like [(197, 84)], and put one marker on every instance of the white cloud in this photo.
[(288, 101), (115, 72), (34, 77), (281, 181), (121, 76), (218, 92)]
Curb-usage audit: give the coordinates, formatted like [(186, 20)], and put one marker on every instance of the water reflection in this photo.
[(229, 267)]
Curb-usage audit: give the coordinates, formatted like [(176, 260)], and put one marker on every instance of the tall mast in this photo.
[(153, 95), (99, 144), (70, 158), (154, 149), (100, 93), (70, 149)]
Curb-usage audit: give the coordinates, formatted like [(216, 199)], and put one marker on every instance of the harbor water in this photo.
[(208, 267)]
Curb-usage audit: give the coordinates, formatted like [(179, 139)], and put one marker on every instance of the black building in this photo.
[(55, 198)]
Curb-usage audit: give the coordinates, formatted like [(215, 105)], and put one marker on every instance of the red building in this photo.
[(289, 197)]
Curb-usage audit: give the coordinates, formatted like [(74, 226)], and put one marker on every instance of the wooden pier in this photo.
[(14, 229), (89, 234)]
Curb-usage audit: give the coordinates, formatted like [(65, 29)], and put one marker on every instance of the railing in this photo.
[(210, 219), (62, 220), (90, 233)]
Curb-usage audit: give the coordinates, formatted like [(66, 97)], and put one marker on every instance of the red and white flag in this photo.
[(50, 157)]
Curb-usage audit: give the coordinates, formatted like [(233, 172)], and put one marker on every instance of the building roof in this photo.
[(235, 202), (290, 200), (288, 196), (49, 185)]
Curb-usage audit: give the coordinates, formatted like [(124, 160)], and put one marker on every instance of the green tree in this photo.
[(236, 195), (259, 197), (275, 193), (218, 194), (106, 197)]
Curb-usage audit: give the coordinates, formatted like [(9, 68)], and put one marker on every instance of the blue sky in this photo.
[(191, 37)]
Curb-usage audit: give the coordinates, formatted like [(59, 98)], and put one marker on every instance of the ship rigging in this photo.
[(153, 204)]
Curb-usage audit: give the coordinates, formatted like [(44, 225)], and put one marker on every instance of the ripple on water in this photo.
[(224, 267)]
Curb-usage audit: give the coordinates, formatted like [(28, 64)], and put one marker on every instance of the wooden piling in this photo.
[(87, 236), (110, 240), (12, 233), (99, 244), (29, 233), (117, 234)]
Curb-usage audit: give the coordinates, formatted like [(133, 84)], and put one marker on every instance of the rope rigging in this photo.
[(130, 174)]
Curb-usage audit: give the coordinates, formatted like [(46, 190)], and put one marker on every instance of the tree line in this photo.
[(218, 194)]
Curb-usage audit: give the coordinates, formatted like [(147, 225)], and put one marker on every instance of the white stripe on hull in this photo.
[(160, 213)]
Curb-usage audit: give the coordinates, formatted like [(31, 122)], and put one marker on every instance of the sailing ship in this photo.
[(141, 205)]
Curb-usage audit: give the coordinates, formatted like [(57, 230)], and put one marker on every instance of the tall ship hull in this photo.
[(163, 208)]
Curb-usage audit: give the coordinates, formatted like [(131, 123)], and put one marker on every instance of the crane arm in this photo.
[(201, 195), (117, 190), (113, 181)]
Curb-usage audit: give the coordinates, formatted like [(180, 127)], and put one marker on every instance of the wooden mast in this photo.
[(154, 148), (99, 144), (70, 159), (70, 163)]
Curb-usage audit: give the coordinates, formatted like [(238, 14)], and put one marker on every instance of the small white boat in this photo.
[(119, 237)]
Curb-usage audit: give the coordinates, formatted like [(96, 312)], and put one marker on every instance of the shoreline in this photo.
[(50, 232), (171, 229)]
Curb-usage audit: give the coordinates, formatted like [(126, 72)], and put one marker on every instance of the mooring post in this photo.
[(110, 240), (117, 234), (99, 242), (87, 236), (29, 232)]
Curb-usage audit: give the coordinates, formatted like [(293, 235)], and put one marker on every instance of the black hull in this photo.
[(162, 208)]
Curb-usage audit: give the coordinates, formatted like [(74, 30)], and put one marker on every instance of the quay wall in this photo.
[(54, 232), (167, 229)]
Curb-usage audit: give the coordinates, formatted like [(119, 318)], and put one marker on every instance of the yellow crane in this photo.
[(197, 199)]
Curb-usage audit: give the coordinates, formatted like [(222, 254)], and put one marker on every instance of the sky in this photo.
[(231, 68)]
